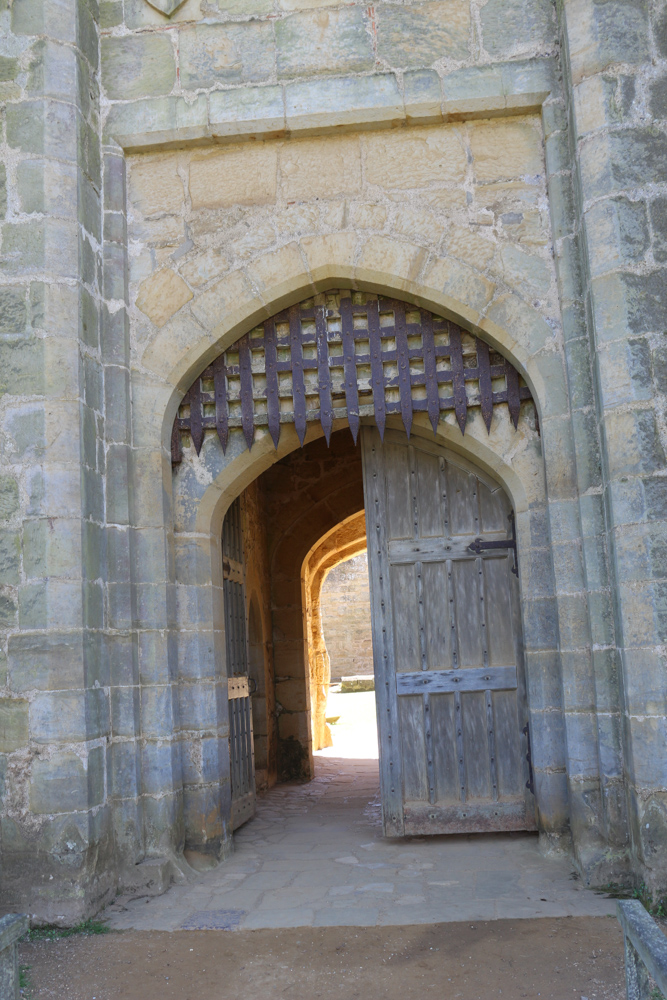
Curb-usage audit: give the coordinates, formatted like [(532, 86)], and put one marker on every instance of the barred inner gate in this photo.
[(452, 717), (241, 748)]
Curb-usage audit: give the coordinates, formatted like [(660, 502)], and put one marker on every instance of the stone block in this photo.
[(163, 821), (32, 17), (153, 605), (13, 724), (315, 168), (561, 203), (125, 711), (9, 498), (319, 42), (111, 14), (51, 603), (541, 624), (528, 274), (8, 611), (202, 809), (115, 272), (123, 771), (547, 740), (543, 680), (203, 267), (509, 28), (625, 372), (601, 619), (8, 68), (655, 499), (3, 191), (202, 762), (160, 768), (592, 513), (38, 245), (596, 562), (568, 567), (137, 66), (139, 14), (69, 716), (157, 712), (413, 159), (45, 127), (642, 606), (582, 750), (196, 654), (21, 366), (343, 103), (505, 150), (604, 33), (648, 737), (629, 158), (461, 283), (45, 662), (226, 53), (250, 111), (211, 307), (243, 176), (420, 35), (573, 622), (473, 89), (138, 125), (470, 247), (10, 557), (198, 705), (643, 682), (635, 303), (423, 96), (58, 784), (617, 234), (161, 295), (52, 547), (13, 309), (577, 358), (658, 213)]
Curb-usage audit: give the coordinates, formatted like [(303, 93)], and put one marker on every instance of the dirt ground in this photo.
[(571, 958)]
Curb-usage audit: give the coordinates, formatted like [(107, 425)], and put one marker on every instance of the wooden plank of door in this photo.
[(384, 663), (445, 681)]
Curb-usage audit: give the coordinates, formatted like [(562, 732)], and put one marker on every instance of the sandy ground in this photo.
[(571, 958)]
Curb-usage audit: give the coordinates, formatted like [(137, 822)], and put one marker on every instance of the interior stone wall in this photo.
[(346, 618)]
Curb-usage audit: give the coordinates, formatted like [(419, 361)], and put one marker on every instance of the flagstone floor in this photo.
[(314, 856)]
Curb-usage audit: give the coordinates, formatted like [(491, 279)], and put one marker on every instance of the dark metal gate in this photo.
[(241, 749)]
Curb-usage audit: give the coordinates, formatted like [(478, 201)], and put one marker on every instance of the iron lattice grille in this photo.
[(347, 354)]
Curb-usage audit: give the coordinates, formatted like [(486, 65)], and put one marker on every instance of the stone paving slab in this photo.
[(314, 856)]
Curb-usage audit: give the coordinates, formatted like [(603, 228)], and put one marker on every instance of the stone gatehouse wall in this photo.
[(501, 161), (346, 618)]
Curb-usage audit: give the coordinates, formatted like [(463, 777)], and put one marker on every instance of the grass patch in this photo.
[(655, 906), (53, 933), (24, 981)]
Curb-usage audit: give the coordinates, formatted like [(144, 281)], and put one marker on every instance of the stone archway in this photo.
[(347, 539), (205, 483)]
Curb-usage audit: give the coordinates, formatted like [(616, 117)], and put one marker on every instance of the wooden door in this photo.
[(241, 746), (449, 678)]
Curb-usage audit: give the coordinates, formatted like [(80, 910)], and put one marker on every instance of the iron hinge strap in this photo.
[(479, 545), (530, 784)]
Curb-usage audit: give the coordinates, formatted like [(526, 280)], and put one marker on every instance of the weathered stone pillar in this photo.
[(615, 54), (56, 833)]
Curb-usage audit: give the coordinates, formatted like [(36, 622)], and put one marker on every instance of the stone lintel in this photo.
[(330, 106)]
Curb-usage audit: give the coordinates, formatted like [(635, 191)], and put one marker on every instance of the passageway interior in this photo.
[(345, 617)]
